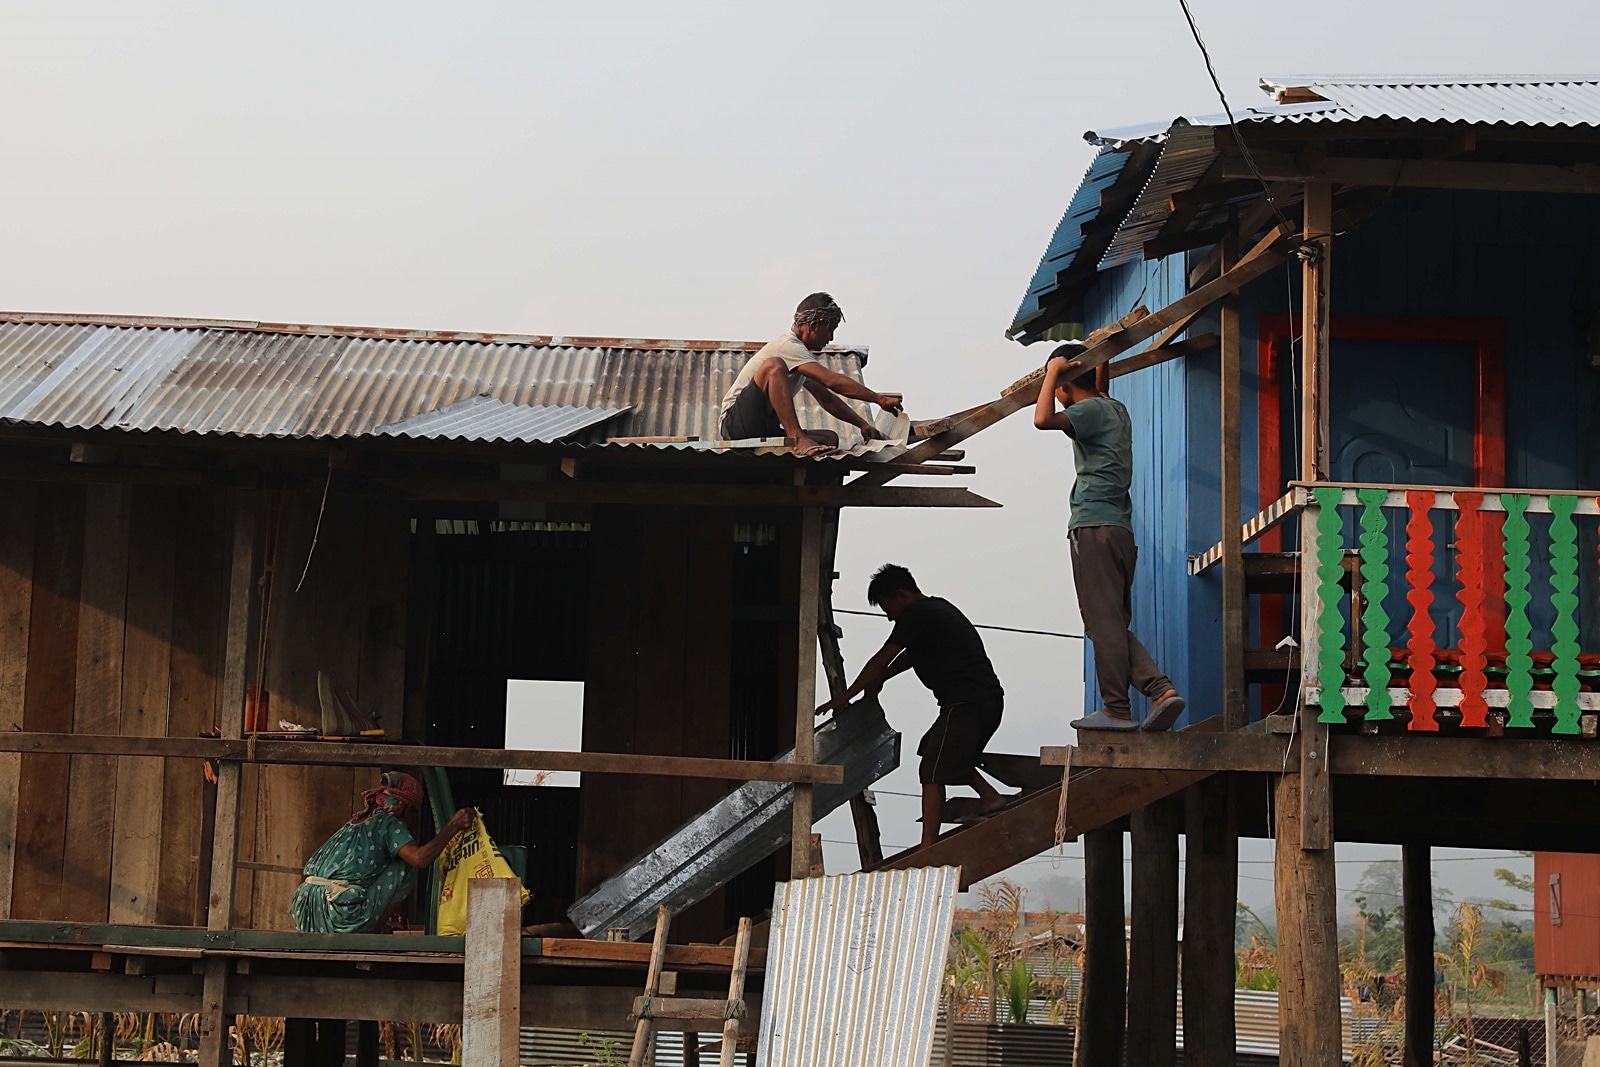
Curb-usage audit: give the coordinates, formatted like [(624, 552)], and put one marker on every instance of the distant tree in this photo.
[(1516, 882)]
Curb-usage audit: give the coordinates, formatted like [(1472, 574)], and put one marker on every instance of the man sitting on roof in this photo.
[(934, 638), (761, 401), (366, 868)]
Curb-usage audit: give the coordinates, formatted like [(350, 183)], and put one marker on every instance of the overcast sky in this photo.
[(683, 170)]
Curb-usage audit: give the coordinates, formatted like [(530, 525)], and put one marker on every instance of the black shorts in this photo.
[(751, 416), (951, 748)]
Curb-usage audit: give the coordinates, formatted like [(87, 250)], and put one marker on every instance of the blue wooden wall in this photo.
[(1532, 260)]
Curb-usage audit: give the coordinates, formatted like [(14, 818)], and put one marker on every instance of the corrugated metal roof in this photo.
[(1479, 101), (283, 380), (484, 418), (1187, 148), (855, 964)]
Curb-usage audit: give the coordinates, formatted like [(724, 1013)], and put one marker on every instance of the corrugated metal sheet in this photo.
[(275, 380), (1255, 1015), (737, 831), (484, 418), (1480, 101), (855, 965), (1185, 157), (550, 1047)]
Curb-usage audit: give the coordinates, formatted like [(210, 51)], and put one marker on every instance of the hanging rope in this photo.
[(1061, 806)]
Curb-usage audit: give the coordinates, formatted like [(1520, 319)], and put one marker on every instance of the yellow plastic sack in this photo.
[(470, 855)]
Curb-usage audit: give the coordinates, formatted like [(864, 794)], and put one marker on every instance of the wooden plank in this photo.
[(667, 495), (1153, 935), (352, 754), (1425, 174), (1235, 610), (637, 952), (97, 703), (805, 722), (1316, 801), (1155, 355), (1315, 314), (1102, 1015), (686, 1008), (1267, 254), (1211, 885), (235, 662), (17, 525), (146, 686), (492, 980), (196, 669), (48, 701), (1028, 828), (1416, 892)]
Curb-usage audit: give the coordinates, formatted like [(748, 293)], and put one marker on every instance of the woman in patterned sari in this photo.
[(366, 868)]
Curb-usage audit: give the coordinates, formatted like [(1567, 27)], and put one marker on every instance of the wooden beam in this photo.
[(1235, 611), (1102, 1012), (1416, 894), (1314, 314), (1153, 935), (492, 979), (1267, 254), (1425, 174), (1349, 755), (1310, 1031), (569, 492), (353, 754), (1174, 350), (805, 721), (1250, 223), (1211, 887)]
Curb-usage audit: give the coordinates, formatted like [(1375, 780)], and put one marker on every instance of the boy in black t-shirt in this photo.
[(932, 637)]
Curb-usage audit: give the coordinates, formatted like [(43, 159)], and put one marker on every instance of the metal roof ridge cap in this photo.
[(1273, 83)]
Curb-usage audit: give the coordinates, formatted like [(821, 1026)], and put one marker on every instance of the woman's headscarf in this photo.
[(397, 793)]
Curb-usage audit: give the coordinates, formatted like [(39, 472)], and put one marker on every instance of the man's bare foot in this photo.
[(989, 807)]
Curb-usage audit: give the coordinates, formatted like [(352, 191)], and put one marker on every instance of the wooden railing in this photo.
[(1468, 599)]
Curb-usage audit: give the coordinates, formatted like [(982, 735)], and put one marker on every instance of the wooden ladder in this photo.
[(652, 1006)]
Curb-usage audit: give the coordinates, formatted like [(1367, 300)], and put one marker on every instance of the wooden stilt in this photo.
[(1211, 884), (491, 1006), (1308, 941), (1417, 903), (1101, 1010), (806, 687), (1153, 936)]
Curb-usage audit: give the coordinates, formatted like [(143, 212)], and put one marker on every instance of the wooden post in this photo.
[(1153, 937), (1235, 712), (741, 962), (491, 1005), (214, 1051), (1314, 320), (108, 1038), (1417, 903), (1101, 1011), (1310, 1028), (869, 843), (805, 722), (644, 1029), (1210, 899)]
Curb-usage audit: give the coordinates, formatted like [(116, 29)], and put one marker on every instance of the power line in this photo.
[(979, 625)]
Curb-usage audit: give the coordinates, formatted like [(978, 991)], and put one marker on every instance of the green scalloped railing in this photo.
[(1330, 620), (1374, 588), (1563, 597), (1519, 643)]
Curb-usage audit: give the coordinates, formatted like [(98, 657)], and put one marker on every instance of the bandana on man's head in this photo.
[(831, 314), (397, 793)]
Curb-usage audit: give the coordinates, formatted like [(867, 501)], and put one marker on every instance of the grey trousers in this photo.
[(1103, 558)]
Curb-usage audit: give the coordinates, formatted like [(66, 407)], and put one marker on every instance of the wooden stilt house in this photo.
[(198, 519)]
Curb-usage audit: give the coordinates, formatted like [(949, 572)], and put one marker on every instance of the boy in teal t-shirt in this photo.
[(1101, 537)]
